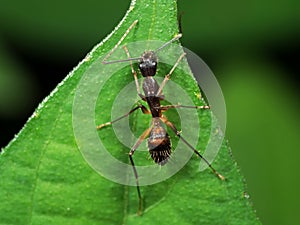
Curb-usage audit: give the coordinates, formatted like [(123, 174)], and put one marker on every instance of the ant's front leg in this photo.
[(134, 75), (119, 42)]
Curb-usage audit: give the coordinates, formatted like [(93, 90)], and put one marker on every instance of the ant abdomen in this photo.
[(159, 144)]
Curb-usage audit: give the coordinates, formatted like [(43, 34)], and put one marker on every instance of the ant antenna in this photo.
[(138, 58), (121, 60), (135, 58), (169, 42)]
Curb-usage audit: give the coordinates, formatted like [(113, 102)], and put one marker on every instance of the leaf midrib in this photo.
[(126, 188)]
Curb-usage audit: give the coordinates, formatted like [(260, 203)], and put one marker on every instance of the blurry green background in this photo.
[(252, 47)]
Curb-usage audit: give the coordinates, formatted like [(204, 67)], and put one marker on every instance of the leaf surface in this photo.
[(45, 180)]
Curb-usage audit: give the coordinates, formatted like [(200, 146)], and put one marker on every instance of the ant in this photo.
[(159, 143)]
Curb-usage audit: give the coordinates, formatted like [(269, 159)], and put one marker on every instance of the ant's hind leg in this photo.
[(132, 150), (177, 133)]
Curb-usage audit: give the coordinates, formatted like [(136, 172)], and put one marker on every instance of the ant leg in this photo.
[(143, 108), (119, 42), (166, 107), (167, 77), (177, 133), (132, 150), (134, 75)]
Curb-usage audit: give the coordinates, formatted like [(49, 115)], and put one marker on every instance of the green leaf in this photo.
[(45, 180)]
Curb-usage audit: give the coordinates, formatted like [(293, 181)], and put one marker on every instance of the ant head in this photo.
[(148, 63)]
